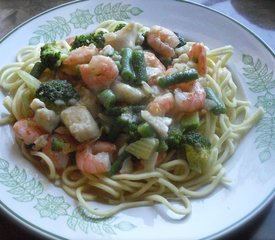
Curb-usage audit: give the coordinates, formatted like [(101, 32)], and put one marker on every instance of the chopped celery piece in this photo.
[(149, 165), (143, 148), (191, 121)]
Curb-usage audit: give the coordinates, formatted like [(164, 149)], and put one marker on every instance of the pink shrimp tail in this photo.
[(94, 157), (100, 73), (198, 52), (92, 165), (190, 101), (101, 146), (162, 104), (27, 130), (80, 55)]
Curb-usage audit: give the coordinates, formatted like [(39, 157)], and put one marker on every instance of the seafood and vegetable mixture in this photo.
[(128, 115)]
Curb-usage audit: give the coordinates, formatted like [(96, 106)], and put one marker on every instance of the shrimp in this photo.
[(81, 55), (154, 67), (152, 61), (190, 101), (59, 152), (95, 157), (162, 40), (198, 53), (185, 86), (28, 130), (161, 104), (100, 73)]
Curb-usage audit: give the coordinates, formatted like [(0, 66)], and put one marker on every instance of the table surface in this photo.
[(257, 15)]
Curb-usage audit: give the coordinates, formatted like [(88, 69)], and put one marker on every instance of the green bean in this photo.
[(178, 77), (139, 66), (37, 69), (190, 121), (113, 132), (107, 98), (217, 106), (116, 166), (127, 72)]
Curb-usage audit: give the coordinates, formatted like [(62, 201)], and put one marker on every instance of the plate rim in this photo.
[(16, 218)]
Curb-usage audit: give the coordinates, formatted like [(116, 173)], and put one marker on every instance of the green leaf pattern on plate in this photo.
[(26, 189), (81, 19), (116, 11), (85, 221), (52, 207), (20, 186), (59, 27), (260, 80)]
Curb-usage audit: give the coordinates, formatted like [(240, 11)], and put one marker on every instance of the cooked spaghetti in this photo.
[(127, 115)]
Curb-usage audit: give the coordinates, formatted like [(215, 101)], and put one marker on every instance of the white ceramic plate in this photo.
[(30, 198)]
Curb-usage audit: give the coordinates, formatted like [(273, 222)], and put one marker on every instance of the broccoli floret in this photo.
[(111, 133), (119, 26), (128, 122), (133, 132), (163, 146), (57, 94), (197, 158), (196, 140), (86, 39), (174, 138), (118, 110), (197, 149), (51, 55)]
